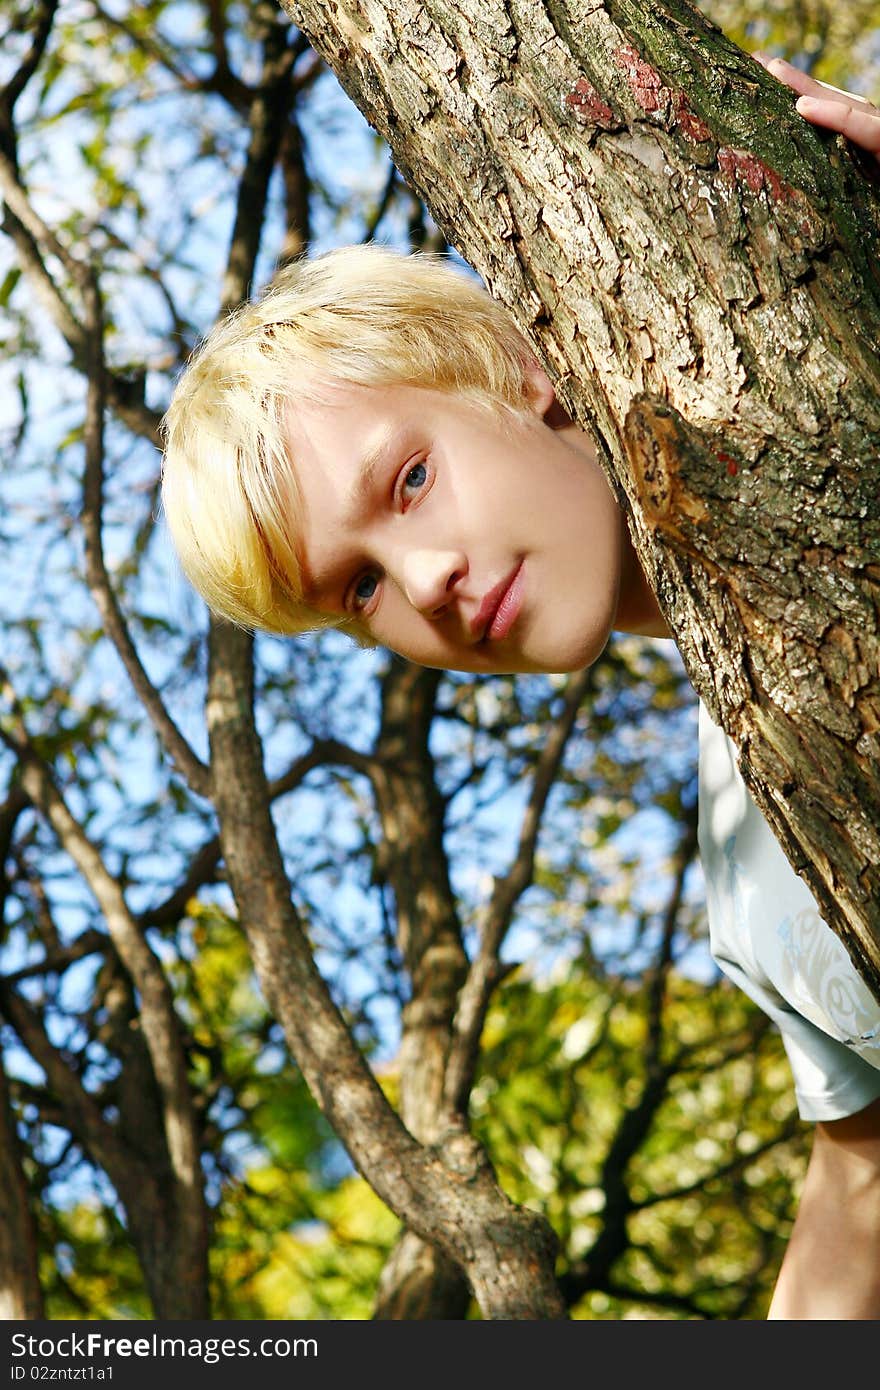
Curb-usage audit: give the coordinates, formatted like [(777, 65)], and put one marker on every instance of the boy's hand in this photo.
[(828, 106)]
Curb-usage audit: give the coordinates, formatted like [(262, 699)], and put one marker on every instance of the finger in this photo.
[(799, 81), (808, 86), (850, 96), (862, 127)]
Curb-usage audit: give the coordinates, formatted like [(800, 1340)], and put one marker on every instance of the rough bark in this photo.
[(696, 267), (20, 1294), (419, 1280)]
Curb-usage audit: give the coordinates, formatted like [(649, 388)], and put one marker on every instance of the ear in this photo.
[(541, 396)]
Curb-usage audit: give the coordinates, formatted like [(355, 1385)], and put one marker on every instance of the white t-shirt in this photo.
[(766, 934)]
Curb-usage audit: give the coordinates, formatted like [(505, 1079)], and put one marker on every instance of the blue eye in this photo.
[(365, 588), (415, 478), (417, 475)]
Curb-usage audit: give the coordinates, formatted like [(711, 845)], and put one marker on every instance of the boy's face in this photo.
[(459, 537)]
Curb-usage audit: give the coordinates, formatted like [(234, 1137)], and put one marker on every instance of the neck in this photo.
[(637, 609)]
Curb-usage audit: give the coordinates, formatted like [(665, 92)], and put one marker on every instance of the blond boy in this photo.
[(373, 446)]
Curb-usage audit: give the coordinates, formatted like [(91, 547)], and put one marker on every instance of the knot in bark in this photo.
[(461, 1154)]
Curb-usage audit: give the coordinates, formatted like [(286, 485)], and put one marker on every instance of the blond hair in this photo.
[(360, 314)]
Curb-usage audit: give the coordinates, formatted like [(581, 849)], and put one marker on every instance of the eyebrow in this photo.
[(361, 489)]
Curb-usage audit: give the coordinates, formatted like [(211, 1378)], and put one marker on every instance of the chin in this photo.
[(558, 664), (578, 654)]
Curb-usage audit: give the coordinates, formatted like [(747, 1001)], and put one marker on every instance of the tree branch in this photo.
[(160, 1024), (226, 82), (10, 811), (268, 116), (203, 866), (483, 973), (222, 81), (735, 1165), (201, 870), (297, 222), (20, 1293), (446, 1193), (41, 18), (44, 921), (35, 242), (81, 1113), (87, 944), (178, 749), (383, 204), (657, 982), (323, 751)]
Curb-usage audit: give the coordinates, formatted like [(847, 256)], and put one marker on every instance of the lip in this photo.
[(500, 608)]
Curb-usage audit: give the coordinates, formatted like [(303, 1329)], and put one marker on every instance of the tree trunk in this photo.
[(21, 1297), (697, 268), (419, 1281)]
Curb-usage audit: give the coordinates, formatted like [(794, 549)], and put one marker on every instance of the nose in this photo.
[(429, 578)]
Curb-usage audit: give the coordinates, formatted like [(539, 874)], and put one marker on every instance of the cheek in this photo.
[(402, 630)]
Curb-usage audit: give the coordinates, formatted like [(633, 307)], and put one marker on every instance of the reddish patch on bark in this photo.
[(645, 82), (653, 96), (754, 173), (775, 186), (688, 122), (732, 466), (587, 104)]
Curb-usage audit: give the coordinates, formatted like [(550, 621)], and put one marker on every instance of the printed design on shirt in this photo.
[(823, 975)]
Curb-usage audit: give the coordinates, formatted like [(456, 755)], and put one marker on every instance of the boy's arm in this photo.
[(828, 106), (831, 1268)]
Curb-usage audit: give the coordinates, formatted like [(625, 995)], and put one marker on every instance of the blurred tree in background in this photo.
[(496, 878)]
